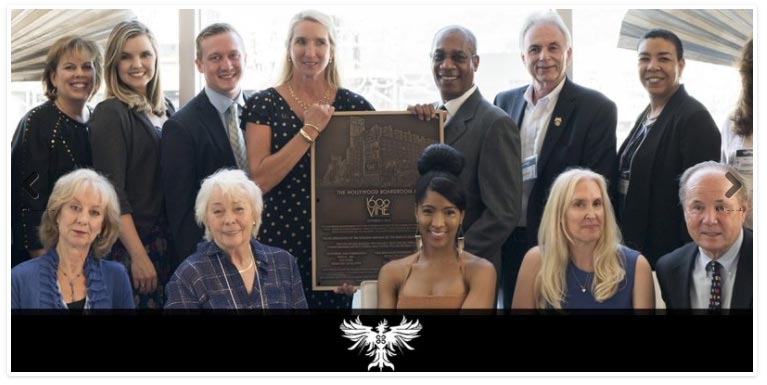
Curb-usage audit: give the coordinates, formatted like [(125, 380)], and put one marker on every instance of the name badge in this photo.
[(744, 160), (623, 186), (528, 168)]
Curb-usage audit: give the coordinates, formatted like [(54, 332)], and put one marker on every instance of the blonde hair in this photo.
[(554, 241), (63, 192), (231, 183), (331, 72), (154, 100), (68, 45)]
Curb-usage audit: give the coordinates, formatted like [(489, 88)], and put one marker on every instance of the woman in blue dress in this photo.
[(281, 123), (579, 262)]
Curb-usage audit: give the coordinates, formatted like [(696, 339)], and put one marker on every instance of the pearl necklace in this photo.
[(304, 106)]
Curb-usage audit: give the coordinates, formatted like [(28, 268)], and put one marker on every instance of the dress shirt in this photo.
[(700, 285), (452, 106)]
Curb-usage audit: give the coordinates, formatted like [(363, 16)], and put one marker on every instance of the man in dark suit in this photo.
[(205, 135), (714, 271), (562, 125), (485, 136)]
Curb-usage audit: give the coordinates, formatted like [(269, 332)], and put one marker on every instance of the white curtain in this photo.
[(708, 35), (33, 31)]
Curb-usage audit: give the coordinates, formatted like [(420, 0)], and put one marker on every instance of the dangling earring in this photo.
[(460, 241), (418, 240)]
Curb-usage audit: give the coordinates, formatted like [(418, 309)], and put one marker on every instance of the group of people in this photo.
[(209, 206)]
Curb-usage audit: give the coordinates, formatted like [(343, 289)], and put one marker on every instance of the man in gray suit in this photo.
[(487, 138)]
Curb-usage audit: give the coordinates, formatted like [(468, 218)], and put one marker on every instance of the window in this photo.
[(384, 51)]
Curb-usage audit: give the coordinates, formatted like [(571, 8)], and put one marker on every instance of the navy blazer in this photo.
[(684, 135), (674, 271), (492, 175), (581, 133), (194, 145)]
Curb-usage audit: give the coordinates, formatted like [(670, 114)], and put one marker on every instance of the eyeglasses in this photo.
[(456, 57), (700, 210)]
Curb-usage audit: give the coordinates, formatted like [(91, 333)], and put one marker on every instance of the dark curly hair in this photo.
[(743, 117), (439, 166)]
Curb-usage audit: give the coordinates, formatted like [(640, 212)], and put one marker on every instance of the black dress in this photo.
[(286, 220), (47, 144)]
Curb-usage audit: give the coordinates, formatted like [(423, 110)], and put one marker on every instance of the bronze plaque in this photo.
[(363, 192)]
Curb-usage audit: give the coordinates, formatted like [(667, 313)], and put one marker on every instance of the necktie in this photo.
[(715, 301), (236, 140)]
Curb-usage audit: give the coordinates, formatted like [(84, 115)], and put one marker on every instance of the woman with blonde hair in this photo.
[(78, 228), (52, 138), (281, 123), (125, 138), (579, 262)]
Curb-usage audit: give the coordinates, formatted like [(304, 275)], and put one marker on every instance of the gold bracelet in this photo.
[(306, 136), (313, 126)]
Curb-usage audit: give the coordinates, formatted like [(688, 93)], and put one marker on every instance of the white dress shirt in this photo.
[(700, 284)]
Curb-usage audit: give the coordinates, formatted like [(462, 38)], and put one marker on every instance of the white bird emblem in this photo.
[(380, 343)]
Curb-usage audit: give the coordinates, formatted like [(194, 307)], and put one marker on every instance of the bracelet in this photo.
[(313, 126), (306, 136)]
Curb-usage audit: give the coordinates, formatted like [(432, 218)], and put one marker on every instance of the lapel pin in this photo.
[(557, 121)]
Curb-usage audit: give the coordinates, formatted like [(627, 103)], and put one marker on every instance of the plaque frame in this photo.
[(348, 170)]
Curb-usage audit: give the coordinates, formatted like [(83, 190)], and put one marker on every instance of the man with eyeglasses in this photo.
[(714, 271), (487, 138), (562, 125)]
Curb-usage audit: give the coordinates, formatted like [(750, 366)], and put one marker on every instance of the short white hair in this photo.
[(231, 183), (546, 17)]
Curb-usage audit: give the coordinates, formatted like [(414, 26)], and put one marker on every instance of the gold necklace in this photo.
[(582, 286), (304, 106), (249, 266)]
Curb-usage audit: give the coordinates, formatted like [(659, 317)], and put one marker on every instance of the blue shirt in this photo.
[(222, 103), (209, 280), (34, 284)]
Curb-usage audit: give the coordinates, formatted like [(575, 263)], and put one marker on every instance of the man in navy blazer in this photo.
[(195, 140), (485, 136), (715, 270), (562, 125)]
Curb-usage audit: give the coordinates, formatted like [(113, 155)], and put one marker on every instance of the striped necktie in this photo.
[(236, 140)]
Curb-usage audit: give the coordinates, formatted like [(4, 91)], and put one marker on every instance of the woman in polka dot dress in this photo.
[(281, 123)]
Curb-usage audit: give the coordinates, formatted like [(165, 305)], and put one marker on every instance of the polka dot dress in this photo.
[(286, 220)]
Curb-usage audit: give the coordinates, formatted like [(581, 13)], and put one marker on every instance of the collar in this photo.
[(728, 260), (551, 96), (211, 249), (452, 106), (221, 102)]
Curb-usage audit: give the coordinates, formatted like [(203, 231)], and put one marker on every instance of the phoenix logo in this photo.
[(380, 343)]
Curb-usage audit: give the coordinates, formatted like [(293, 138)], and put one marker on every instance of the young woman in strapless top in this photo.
[(440, 274)]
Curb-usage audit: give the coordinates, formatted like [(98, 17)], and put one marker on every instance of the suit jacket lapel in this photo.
[(457, 126), (557, 124), (518, 109), (210, 119), (682, 274), (742, 292)]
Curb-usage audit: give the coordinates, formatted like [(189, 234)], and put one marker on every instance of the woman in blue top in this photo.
[(78, 227), (579, 262)]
